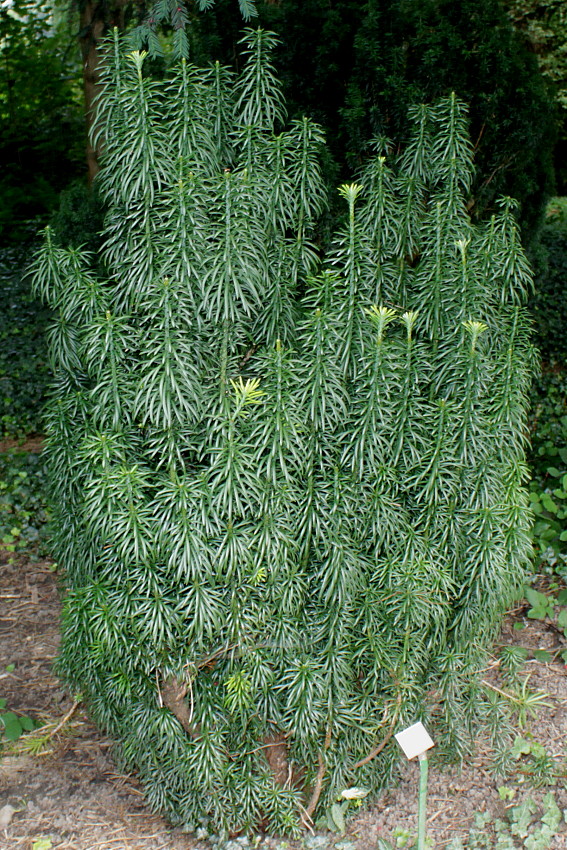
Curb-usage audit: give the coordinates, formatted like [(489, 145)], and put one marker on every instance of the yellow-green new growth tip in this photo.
[(380, 318), (409, 319), (137, 58), (474, 329), (350, 191), (247, 392), (462, 245)]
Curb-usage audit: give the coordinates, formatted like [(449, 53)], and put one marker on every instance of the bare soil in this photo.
[(71, 795), (33, 443)]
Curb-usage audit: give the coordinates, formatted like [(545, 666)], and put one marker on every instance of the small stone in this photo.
[(6, 815), (237, 844), (316, 842), (345, 845)]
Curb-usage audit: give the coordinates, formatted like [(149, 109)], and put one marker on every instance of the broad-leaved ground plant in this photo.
[(287, 483)]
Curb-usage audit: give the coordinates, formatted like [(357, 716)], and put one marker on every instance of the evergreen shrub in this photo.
[(288, 491)]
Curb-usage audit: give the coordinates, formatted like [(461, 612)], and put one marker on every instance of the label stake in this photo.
[(415, 741)]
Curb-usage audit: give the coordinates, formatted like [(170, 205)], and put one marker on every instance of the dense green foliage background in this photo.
[(543, 23), (42, 136), (24, 370), (358, 67), (549, 302), (355, 67)]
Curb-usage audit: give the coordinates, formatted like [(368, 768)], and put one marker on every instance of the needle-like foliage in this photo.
[(288, 489)]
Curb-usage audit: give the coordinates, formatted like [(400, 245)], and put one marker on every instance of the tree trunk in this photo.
[(93, 27)]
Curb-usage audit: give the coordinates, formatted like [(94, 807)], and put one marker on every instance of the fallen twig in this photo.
[(63, 721)]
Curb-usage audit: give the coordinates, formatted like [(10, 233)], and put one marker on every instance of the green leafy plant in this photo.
[(41, 119), (335, 819), (529, 761), (512, 660), (23, 511), (42, 733), (12, 725), (79, 219), (401, 837), (550, 532), (287, 484), (525, 701), (534, 762), (358, 68), (550, 607), (506, 794), (42, 844), (547, 601), (541, 605), (544, 605), (549, 468), (528, 825), (526, 760)]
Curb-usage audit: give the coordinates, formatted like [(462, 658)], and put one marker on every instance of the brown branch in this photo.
[(172, 695), (246, 357), (479, 136), (306, 820), (318, 787), (214, 655), (497, 169), (284, 735), (378, 749), (63, 721), (276, 753)]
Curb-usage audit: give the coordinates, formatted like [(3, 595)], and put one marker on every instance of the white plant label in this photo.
[(414, 740)]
